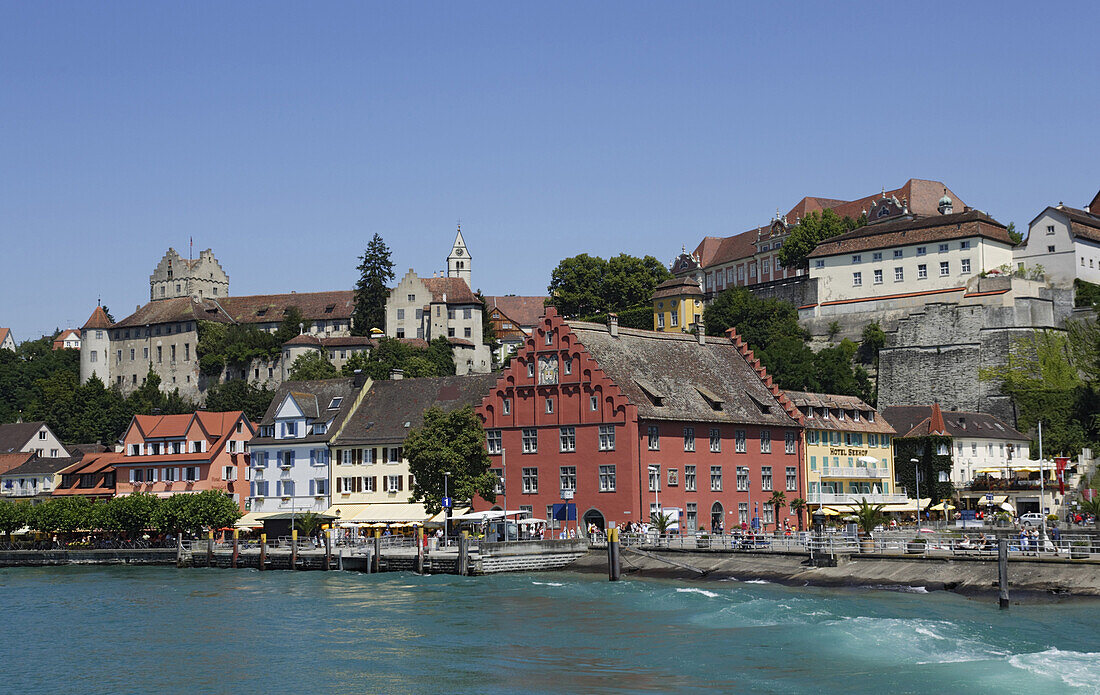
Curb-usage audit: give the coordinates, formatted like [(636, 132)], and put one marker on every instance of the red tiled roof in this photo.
[(903, 232), (676, 287), (98, 319), (10, 461), (1081, 223), (455, 289), (172, 310), (522, 311), (315, 306), (4, 333)]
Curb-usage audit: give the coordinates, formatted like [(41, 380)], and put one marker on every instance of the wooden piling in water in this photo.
[(210, 548), (420, 550), (236, 547), (1002, 572), (328, 549), (263, 551), (294, 549), (613, 566), (179, 551), (463, 554), (376, 559)]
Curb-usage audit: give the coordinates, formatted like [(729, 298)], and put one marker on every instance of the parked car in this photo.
[(1031, 519)]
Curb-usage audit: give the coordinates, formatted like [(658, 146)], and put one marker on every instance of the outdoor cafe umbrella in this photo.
[(942, 506)]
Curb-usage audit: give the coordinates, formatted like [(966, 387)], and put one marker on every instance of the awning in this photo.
[(250, 520), (346, 511), (940, 507), (910, 506), (490, 514), (829, 512), (441, 517), (997, 500), (390, 513), (992, 470)]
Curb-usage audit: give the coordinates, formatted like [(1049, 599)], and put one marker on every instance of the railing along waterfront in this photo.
[(931, 545)]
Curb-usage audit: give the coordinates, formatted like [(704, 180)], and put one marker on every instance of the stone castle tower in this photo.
[(459, 262), (201, 277)]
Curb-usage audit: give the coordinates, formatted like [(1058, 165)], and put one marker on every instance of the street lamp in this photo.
[(916, 480), (447, 510)]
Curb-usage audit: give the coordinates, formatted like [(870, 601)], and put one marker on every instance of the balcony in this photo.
[(854, 498), (857, 472)]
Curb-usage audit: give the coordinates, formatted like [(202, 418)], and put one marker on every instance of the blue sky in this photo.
[(283, 135)]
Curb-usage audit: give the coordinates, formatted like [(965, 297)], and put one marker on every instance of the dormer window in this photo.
[(330, 308), (870, 416), (335, 402), (262, 312)]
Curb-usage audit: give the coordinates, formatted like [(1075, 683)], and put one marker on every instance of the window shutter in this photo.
[(252, 489), (312, 487), (338, 485), (312, 457), (400, 485), (131, 475), (410, 482), (374, 483)]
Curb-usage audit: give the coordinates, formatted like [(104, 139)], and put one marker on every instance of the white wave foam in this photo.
[(757, 581), (704, 592), (1078, 669), (548, 583)]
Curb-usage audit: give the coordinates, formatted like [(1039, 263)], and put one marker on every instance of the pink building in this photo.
[(167, 455)]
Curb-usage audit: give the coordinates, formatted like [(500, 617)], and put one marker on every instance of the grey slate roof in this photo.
[(959, 423), (805, 400), (14, 436), (687, 375), (313, 397), (39, 465), (388, 405)]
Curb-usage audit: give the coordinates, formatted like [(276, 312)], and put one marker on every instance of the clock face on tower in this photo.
[(458, 252)]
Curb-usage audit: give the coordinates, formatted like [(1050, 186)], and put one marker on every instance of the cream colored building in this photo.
[(371, 482), (1065, 242), (899, 256), (200, 277)]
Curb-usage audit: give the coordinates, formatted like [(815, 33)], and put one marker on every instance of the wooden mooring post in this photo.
[(328, 549), (376, 558), (210, 548), (463, 554), (236, 547), (179, 550), (1002, 572), (614, 568), (294, 549), (420, 550), (263, 551)]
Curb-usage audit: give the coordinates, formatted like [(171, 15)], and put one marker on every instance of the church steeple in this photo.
[(458, 262)]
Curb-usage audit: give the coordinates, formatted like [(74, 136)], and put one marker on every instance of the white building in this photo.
[(7, 342), (442, 307), (901, 257), (1065, 241), (290, 463), (31, 437)]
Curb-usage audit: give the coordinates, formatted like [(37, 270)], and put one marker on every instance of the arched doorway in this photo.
[(594, 516), (716, 517)]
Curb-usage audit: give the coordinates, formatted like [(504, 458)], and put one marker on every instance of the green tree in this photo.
[(798, 505), (811, 231), (13, 516), (576, 284), (308, 524), (310, 366), (375, 270), (61, 515), (239, 395), (758, 321), (451, 442), (292, 326), (874, 339), (629, 281), (488, 336), (778, 500), (933, 454), (131, 514), (1016, 237), (868, 516)]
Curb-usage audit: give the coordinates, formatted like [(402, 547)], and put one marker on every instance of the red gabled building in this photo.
[(628, 419)]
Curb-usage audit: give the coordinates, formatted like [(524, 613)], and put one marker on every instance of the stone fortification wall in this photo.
[(799, 291)]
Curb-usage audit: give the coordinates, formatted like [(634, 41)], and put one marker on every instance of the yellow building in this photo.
[(849, 453), (677, 305)]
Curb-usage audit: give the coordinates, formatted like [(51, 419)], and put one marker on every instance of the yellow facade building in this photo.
[(849, 452), (677, 305)]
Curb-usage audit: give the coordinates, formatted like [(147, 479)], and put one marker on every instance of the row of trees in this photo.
[(130, 515), (589, 287), (771, 329), (437, 359)]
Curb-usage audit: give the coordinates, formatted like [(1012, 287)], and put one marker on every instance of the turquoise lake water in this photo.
[(162, 630)]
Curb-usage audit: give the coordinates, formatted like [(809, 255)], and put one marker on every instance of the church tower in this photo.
[(458, 263)]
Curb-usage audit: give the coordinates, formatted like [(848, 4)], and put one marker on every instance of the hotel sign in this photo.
[(840, 451)]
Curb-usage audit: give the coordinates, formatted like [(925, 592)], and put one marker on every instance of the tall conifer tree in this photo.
[(375, 270)]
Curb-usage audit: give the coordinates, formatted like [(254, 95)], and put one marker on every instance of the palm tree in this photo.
[(1092, 507), (868, 516), (797, 505), (308, 523), (661, 522), (778, 500)]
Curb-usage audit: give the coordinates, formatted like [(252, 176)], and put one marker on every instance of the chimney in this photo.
[(613, 325), (397, 374), (700, 331), (359, 378)]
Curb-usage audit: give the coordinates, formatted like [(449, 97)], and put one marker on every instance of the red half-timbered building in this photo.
[(632, 421)]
